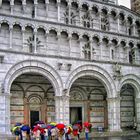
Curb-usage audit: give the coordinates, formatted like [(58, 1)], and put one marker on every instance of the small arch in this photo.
[(96, 38), (53, 32), (104, 11), (85, 6), (85, 37), (123, 43), (5, 22), (131, 44), (115, 41), (105, 40), (29, 87), (75, 5), (113, 13), (75, 36), (64, 3), (41, 30), (17, 23), (64, 34), (95, 9), (122, 16), (30, 25), (130, 20)]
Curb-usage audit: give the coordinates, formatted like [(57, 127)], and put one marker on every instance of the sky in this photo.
[(124, 3)]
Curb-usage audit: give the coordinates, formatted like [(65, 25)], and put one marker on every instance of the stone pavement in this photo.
[(126, 135)]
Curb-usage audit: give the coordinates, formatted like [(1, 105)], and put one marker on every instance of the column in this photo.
[(91, 49), (69, 38), (66, 109), (46, 39), (100, 22), (47, 4), (69, 12), (35, 8), (134, 28), (12, 6), (59, 109), (58, 10), (81, 47), (137, 102), (7, 113), (3, 114), (34, 44), (11, 35), (43, 110), (135, 49), (23, 36), (118, 21), (80, 18), (89, 10), (26, 111), (24, 7), (59, 43), (101, 46), (114, 114)]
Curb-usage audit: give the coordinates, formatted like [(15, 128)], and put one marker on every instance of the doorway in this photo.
[(75, 114), (34, 116)]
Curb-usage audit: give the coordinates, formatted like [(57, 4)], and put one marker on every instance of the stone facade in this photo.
[(69, 60)]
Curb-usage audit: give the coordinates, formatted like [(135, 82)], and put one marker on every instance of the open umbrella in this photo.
[(60, 126), (25, 128), (49, 126), (39, 122), (53, 123)]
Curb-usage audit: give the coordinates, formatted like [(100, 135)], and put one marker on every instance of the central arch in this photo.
[(95, 71)]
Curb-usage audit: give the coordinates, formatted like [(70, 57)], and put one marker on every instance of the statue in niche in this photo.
[(117, 71)]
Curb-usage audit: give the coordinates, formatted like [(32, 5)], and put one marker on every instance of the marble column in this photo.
[(11, 35), (59, 43), (58, 10), (114, 114), (23, 36), (35, 8), (66, 109), (69, 12), (59, 109), (91, 48), (24, 7), (80, 45), (7, 113), (26, 111), (80, 18), (47, 4), (11, 6), (35, 45), (3, 114), (69, 38)]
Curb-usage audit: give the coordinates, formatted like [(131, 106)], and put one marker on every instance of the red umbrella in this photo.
[(60, 126), (86, 124)]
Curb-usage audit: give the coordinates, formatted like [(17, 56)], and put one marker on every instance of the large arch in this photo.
[(132, 80), (36, 67), (96, 71)]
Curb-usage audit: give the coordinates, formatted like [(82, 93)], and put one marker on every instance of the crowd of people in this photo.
[(52, 131)]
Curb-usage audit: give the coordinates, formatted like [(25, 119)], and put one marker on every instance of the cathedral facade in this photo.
[(69, 60)]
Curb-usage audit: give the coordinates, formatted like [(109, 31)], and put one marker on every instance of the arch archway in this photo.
[(35, 78)]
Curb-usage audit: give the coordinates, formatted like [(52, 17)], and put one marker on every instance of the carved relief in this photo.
[(117, 72)]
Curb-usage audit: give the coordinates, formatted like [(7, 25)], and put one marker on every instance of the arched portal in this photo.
[(127, 107), (32, 99), (88, 101)]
